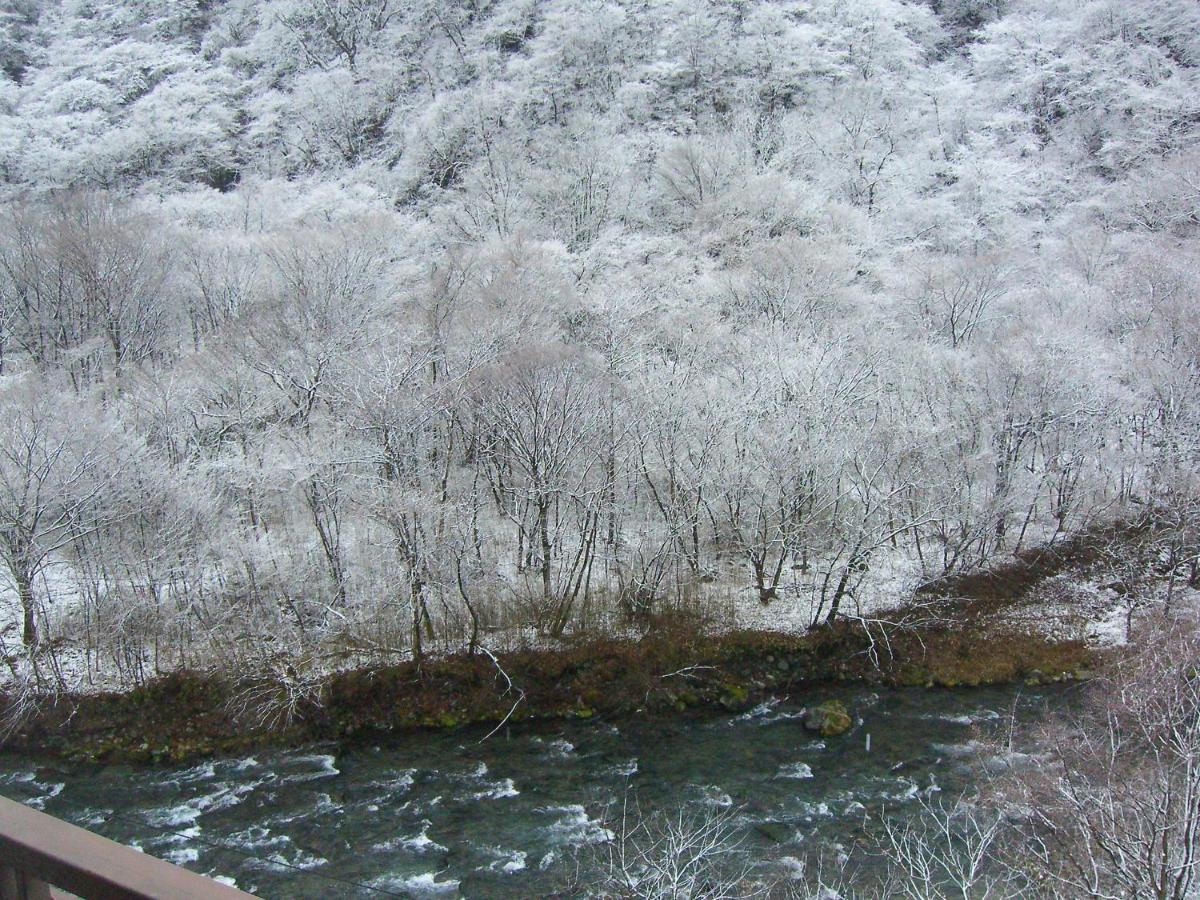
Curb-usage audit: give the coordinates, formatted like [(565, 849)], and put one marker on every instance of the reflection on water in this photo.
[(441, 814)]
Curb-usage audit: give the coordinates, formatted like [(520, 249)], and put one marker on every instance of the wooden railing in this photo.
[(42, 857)]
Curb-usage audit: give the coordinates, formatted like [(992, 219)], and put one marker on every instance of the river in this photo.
[(445, 814)]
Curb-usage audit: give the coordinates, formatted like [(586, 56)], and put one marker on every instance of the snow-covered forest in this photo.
[(385, 327)]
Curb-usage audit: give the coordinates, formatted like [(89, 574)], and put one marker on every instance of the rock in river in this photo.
[(829, 719)]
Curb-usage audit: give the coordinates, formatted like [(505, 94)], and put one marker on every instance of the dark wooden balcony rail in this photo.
[(42, 857)]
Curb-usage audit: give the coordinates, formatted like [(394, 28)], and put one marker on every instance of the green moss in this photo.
[(734, 696), (829, 719), (734, 691)]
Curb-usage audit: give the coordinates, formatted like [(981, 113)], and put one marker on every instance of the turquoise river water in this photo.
[(444, 814)]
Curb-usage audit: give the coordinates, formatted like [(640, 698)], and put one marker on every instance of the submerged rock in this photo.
[(828, 719), (734, 697)]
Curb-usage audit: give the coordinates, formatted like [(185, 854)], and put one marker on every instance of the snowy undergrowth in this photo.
[(1063, 607)]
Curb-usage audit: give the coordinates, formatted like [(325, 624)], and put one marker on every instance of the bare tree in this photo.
[(958, 297), (672, 855), (60, 471), (315, 313), (84, 282), (328, 30), (539, 420), (944, 850)]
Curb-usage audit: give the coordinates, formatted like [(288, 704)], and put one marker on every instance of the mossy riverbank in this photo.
[(186, 715)]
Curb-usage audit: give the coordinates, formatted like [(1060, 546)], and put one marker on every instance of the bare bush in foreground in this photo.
[(683, 853), (1112, 809)]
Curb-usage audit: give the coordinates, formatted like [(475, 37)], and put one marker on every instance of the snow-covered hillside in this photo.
[(360, 326)]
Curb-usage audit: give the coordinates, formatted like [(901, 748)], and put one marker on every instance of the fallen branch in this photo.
[(507, 690), (688, 670)]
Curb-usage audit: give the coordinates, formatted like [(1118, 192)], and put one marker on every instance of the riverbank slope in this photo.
[(1018, 621)]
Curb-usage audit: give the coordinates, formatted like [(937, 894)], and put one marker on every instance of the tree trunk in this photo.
[(417, 609), (835, 605), (766, 592), (474, 613), (544, 537), (24, 581), (325, 520)]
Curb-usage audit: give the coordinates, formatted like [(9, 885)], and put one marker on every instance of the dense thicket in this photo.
[(378, 324)]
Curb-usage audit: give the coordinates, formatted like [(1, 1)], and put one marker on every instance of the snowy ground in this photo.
[(1067, 608)]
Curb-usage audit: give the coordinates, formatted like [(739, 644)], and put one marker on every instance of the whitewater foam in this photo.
[(423, 885), (326, 769), (574, 826), (186, 813), (418, 843), (497, 790), (508, 862), (52, 791), (277, 861), (795, 770)]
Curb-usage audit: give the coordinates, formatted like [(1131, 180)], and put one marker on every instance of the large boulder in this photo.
[(829, 719)]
